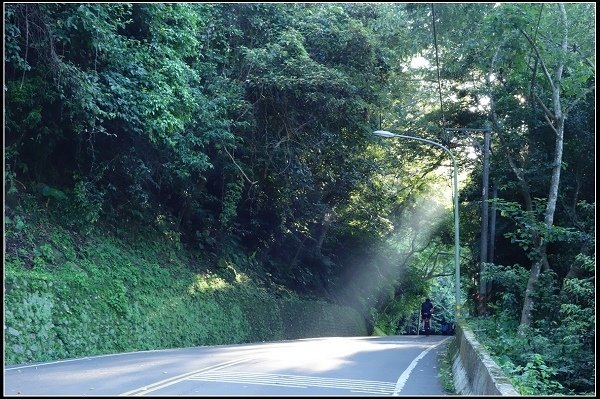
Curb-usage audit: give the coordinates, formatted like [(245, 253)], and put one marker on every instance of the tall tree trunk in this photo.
[(556, 120), (492, 233), (323, 229)]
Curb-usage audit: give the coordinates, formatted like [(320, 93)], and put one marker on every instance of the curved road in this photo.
[(365, 366)]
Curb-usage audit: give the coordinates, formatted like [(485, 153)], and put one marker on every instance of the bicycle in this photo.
[(427, 324)]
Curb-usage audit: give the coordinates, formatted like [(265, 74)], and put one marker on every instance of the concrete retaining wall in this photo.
[(474, 371)]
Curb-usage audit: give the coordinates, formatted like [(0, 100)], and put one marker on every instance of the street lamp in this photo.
[(385, 133)]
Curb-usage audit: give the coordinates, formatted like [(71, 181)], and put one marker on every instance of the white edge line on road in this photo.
[(404, 376), (78, 359), (174, 380)]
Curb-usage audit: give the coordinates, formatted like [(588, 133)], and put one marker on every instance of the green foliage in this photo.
[(511, 282), (535, 378), (231, 126), (233, 194), (52, 192), (577, 328), (31, 328), (18, 223), (530, 223), (87, 204), (556, 355)]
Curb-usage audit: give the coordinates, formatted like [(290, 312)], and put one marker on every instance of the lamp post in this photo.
[(484, 255), (385, 133)]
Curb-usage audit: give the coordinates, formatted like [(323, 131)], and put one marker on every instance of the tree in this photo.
[(549, 92)]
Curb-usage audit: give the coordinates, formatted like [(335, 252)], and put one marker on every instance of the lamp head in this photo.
[(384, 133)]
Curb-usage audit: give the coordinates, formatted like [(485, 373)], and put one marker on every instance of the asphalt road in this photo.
[(363, 366)]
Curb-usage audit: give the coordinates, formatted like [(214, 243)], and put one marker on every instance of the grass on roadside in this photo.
[(445, 368)]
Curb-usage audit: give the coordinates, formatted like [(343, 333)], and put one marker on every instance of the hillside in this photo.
[(120, 288)]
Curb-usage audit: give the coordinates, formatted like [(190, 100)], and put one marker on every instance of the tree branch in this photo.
[(547, 113), (238, 166), (539, 58)]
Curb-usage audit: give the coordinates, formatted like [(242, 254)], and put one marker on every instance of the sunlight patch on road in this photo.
[(322, 355)]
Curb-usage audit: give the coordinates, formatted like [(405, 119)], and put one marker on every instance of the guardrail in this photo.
[(474, 371)]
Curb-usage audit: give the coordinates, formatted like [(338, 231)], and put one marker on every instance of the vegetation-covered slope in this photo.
[(73, 295)]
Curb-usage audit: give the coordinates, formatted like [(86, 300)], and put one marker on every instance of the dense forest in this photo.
[(242, 134)]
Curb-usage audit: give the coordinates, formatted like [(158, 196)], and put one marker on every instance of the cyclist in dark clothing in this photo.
[(426, 311), (426, 308)]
